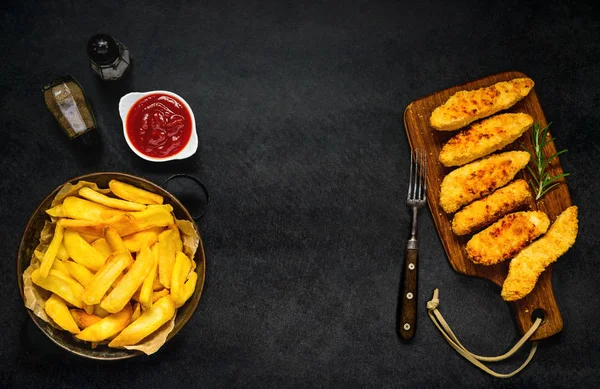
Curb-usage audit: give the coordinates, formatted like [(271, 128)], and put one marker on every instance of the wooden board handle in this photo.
[(542, 298), (408, 296)]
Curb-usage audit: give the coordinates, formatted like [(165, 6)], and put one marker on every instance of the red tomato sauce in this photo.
[(159, 125)]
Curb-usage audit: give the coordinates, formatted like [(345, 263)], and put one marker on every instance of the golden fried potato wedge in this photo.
[(52, 251), (131, 281), (102, 246), (60, 284), (82, 252), (189, 287), (100, 312), (61, 267), (154, 216), (57, 309), (81, 273), (145, 296), (105, 277), (56, 211), (62, 253), (76, 208), (92, 195), (131, 193), (84, 319), (181, 268), (166, 257), (87, 237), (159, 294), (137, 312), (161, 312), (114, 240), (134, 242), (88, 229), (107, 327)]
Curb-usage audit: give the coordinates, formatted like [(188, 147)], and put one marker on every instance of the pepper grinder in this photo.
[(109, 58)]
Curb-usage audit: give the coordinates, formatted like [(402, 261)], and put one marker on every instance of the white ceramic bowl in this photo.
[(130, 99)]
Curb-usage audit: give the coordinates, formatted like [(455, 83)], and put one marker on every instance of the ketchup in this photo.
[(159, 125)]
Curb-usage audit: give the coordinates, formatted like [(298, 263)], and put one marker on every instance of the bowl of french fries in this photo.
[(110, 266)]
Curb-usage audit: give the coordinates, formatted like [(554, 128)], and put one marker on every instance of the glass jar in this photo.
[(109, 58), (66, 100)]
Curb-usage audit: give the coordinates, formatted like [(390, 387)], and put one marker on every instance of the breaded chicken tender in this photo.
[(489, 209), (505, 238), (484, 137), (465, 107), (527, 266), (480, 178)]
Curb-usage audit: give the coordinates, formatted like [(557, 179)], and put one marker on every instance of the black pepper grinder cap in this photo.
[(102, 49)]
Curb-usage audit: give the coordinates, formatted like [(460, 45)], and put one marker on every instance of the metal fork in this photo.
[(417, 190)]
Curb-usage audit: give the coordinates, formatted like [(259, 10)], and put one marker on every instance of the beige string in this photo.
[(444, 328)]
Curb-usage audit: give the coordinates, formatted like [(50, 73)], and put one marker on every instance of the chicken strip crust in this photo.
[(505, 238), (526, 267), (484, 137), (480, 178), (489, 209), (465, 107)]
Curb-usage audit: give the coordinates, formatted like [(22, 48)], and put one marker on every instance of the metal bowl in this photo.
[(30, 240)]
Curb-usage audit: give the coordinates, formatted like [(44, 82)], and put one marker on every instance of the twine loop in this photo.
[(437, 319)]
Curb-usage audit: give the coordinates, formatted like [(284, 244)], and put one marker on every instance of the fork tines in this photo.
[(417, 185)]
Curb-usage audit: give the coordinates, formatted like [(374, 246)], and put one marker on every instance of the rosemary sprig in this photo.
[(542, 181)]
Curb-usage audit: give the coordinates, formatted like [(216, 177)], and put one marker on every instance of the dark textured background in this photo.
[(299, 112)]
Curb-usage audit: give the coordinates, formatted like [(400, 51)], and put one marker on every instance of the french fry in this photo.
[(76, 208), (166, 257), (53, 248), (114, 240), (62, 253), (153, 216), (105, 277), (137, 312), (92, 229), (189, 287), (178, 243), (61, 267), (131, 281), (159, 294), (87, 237), (107, 327), (57, 309), (100, 312), (134, 242), (180, 271), (102, 246), (60, 284), (81, 273), (161, 312), (56, 211), (84, 319), (82, 252), (131, 193), (110, 202), (156, 285), (145, 296)]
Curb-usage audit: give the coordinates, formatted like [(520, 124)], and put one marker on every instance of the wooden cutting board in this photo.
[(422, 135)]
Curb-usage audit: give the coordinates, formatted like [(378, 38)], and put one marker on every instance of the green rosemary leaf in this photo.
[(542, 182)]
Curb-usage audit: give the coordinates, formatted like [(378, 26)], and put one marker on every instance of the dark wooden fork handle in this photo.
[(408, 296)]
